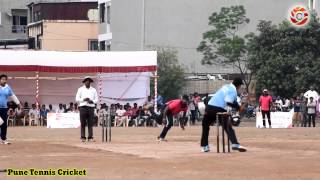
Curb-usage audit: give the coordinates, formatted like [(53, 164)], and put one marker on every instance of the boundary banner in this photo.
[(63, 120), (278, 120)]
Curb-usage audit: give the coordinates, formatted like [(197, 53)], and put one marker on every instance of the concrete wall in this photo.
[(6, 20), (68, 36), (180, 24)]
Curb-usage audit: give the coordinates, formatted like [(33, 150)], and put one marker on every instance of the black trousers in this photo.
[(3, 127), (86, 117), (168, 124), (312, 117), (264, 113), (193, 116), (209, 118)]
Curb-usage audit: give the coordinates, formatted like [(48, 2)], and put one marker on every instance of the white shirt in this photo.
[(60, 110), (34, 112), (90, 93), (120, 112), (313, 94)]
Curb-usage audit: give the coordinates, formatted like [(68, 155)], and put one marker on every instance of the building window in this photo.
[(19, 24), (108, 14), (109, 47), (102, 45), (102, 9), (93, 45)]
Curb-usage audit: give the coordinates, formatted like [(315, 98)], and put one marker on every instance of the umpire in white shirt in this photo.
[(87, 97)]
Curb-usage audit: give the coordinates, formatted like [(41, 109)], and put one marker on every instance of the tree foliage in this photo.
[(222, 45), (171, 74), (286, 59)]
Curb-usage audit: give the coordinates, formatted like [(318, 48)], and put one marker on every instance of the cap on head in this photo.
[(237, 82), (265, 90), (87, 78)]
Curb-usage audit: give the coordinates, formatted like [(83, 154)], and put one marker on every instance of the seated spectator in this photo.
[(120, 116), (149, 103), (60, 109), (11, 115), (26, 108), (50, 109), (19, 115), (64, 108), (71, 107), (76, 108), (278, 104), (43, 115), (33, 114)]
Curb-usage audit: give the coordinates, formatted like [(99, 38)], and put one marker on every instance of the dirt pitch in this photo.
[(135, 155)]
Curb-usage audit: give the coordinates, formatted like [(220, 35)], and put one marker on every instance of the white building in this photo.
[(105, 35)]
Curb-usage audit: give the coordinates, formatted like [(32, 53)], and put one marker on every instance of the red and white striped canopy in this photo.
[(78, 62)]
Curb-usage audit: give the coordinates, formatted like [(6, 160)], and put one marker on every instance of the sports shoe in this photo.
[(205, 149), (238, 147), (6, 142), (161, 139), (83, 140), (91, 140)]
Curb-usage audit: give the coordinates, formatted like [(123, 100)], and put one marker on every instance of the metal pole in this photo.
[(143, 26), (217, 126), (155, 90)]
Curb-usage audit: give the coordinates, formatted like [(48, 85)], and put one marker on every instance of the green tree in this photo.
[(222, 45), (286, 59), (171, 74)]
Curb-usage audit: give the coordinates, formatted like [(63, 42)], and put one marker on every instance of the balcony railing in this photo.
[(19, 28)]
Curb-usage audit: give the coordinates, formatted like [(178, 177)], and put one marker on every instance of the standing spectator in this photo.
[(159, 101), (43, 114), (5, 93), (50, 109), (112, 112), (311, 112), (296, 112), (265, 105), (192, 108), (87, 96), (311, 93), (304, 112), (60, 109), (197, 99)]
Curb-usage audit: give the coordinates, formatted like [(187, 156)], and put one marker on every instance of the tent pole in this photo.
[(155, 90), (100, 92), (37, 92)]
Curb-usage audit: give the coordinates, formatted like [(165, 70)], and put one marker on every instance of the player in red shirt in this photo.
[(171, 109), (265, 102)]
